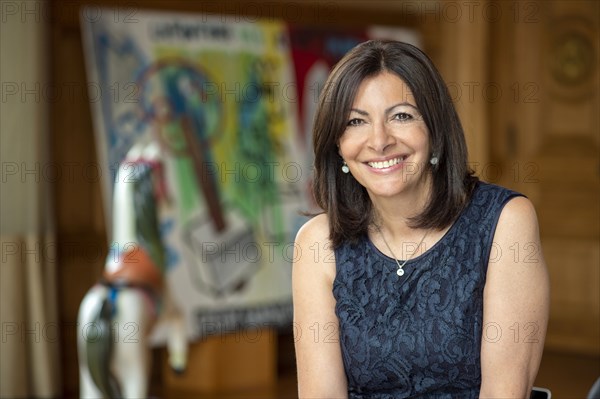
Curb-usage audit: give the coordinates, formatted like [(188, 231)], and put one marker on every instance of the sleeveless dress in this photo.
[(419, 335)]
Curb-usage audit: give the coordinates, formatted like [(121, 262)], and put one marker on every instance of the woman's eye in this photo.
[(355, 122), (403, 116)]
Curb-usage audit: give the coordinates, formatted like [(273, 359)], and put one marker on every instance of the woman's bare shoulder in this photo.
[(313, 247), (314, 230)]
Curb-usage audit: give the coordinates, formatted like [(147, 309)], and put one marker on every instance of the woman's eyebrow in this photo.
[(359, 111), (404, 104), (387, 110)]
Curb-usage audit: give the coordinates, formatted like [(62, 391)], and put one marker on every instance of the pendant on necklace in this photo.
[(400, 271)]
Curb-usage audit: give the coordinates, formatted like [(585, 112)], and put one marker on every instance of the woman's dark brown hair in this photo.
[(344, 200)]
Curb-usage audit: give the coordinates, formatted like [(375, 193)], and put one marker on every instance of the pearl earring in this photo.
[(345, 168), (433, 160)]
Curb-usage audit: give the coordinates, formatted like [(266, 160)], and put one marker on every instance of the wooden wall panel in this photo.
[(547, 132), (464, 36)]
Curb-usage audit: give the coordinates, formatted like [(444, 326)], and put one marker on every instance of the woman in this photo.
[(408, 285)]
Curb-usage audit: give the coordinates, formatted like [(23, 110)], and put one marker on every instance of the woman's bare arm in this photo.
[(316, 334), (516, 305)]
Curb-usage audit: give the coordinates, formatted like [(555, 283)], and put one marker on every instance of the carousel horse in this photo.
[(117, 315)]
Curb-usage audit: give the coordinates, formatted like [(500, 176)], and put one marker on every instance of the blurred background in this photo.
[(525, 77)]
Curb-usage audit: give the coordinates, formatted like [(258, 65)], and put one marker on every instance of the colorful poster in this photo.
[(219, 98)]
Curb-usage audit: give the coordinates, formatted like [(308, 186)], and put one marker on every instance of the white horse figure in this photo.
[(117, 315)]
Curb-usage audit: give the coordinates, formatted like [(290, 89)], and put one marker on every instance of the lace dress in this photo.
[(419, 335)]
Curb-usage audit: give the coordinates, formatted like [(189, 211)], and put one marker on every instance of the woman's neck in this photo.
[(392, 214)]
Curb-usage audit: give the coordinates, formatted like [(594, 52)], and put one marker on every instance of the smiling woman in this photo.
[(386, 142), (419, 98), (405, 278)]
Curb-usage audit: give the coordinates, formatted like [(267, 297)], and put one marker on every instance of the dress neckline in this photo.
[(430, 250)]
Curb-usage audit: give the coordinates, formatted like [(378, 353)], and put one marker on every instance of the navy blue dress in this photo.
[(419, 335)]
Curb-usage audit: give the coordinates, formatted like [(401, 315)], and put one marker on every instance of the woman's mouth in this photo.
[(387, 163)]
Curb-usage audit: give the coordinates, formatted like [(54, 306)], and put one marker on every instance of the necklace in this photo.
[(400, 271)]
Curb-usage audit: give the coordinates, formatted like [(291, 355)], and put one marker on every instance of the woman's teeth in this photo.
[(386, 164)]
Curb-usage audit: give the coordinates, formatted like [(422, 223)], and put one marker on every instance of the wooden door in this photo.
[(545, 142)]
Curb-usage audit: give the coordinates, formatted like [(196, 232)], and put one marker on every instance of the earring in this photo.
[(433, 160), (345, 168)]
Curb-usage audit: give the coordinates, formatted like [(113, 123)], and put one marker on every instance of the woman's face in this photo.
[(386, 141)]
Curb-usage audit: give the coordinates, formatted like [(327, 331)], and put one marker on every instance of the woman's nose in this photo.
[(380, 138)]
